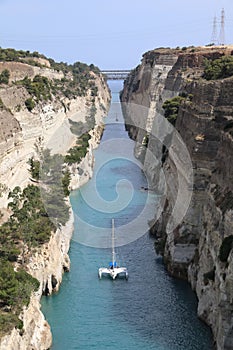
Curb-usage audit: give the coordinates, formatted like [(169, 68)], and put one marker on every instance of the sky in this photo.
[(110, 34)]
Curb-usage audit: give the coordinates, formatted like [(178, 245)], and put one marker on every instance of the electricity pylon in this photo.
[(214, 39), (222, 29)]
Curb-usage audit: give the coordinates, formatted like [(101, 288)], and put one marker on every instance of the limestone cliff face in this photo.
[(191, 249), (22, 134), (47, 126)]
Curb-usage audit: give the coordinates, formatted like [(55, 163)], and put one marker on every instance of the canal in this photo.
[(150, 310)]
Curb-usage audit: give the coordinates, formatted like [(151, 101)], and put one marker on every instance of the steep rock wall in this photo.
[(47, 126), (191, 249), (48, 264), (22, 133)]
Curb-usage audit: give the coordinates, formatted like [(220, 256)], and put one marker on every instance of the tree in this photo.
[(171, 108), (30, 104), (66, 182), (220, 68), (8, 282), (34, 168), (4, 76)]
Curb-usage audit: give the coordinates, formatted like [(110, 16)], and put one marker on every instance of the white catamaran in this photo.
[(114, 270)]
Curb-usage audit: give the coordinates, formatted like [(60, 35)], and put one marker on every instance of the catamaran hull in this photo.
[(120, 272)]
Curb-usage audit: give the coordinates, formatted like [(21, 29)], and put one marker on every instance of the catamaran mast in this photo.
[(113, 270), (113, 245)]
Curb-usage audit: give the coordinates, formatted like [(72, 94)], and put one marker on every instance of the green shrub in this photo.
[(15, 292), (18, 108), (30, 104), (225, 249), (171, 108), (4, 76), (34, 168), (8, 321), (39, 87), (66, 182), (29, 221), (2, 106), (218, 69), (76, 153), (15, 55), (3, 188)]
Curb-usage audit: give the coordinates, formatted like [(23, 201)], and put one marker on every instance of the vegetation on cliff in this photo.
[(4, 76), (76, 153), (219, 68), (29, 222), (78, 80), (39, 87), (82, 79), (28, 227), (1, 105), (15, 291), (36, 211), (171, 106), (12, 55)]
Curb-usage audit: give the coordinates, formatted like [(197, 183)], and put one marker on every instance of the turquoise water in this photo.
[(149, 311)]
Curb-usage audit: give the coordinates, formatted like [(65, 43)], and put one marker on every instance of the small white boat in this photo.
[(114, 270)]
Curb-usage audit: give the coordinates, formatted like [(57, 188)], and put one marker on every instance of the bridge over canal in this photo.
[(120, 74)]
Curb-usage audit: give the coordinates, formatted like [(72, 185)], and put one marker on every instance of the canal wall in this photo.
[(193, 246), (23, 133)]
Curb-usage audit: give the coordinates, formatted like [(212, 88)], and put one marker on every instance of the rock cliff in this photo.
[(22, 134), (200, 172), (46, 126)]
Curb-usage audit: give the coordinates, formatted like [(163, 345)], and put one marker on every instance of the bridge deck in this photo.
[(117, 74)]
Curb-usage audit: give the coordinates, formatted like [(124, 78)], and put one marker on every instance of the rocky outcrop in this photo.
[(192, 247), (22, 134)]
